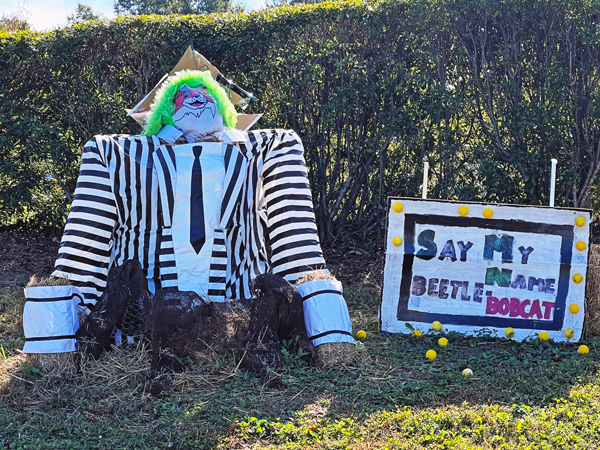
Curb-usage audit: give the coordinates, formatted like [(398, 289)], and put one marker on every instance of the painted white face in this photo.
[(196, 113)]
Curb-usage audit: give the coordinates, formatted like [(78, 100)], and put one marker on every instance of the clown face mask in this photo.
[(196, 114)]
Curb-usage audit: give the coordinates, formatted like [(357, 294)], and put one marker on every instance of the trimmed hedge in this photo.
[(489, 91)]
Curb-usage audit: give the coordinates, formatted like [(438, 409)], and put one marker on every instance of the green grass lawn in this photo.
[(534, 395)]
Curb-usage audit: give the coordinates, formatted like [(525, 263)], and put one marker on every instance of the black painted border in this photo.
[(566, 252)]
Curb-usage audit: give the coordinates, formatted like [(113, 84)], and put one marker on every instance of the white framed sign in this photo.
[(474, 266)]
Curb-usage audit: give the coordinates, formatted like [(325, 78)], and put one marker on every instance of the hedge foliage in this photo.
[(490, 91)]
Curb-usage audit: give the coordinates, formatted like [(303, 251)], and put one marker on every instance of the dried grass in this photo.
[(314, 275), (34, 281), (119, 367), (126, 366), (592, 292), (335, 354), (54, 365)]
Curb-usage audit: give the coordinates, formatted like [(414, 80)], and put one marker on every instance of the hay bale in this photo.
[(332, 355), (34, 281), (592, 292), (54, 365), (314, 275)]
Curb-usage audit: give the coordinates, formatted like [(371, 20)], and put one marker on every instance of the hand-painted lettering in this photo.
[(448, 251), (426, 240), (503, 244), (547, 309), (549, 288), (477, 292), (525, 252), (455, 285), (432, 288), (493, 275), (464, 248), (463, 292), (514, 307), (442, 291), (419, 285), (519, 282), (535, 309), (539, 282)]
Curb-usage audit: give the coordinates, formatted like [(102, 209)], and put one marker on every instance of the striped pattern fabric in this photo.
[(123, 207), (50, 319), (114, 215)]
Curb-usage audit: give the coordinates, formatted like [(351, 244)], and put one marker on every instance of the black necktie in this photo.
[(197, 232)]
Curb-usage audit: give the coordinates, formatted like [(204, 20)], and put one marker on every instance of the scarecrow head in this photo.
[(194, 103)]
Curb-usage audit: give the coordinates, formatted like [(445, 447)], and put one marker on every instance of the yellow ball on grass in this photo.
[(437, 326), (509, 333), (361, 334), (467, 372), (543, 336), (417, 333), (442, 342), (583, 349), (431, 354)]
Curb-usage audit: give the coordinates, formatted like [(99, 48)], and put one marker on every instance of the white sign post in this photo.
[(474, 266)]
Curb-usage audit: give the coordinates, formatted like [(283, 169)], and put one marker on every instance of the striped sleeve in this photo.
[(291, 225), (85, 249), (166, 169)]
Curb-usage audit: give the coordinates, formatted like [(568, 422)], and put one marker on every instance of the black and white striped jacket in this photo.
[(124, 206)]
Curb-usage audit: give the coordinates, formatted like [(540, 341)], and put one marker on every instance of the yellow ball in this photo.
[(397, 241), (442, 342), (417, 333), (361, 334), (437, 326), (583, 349), (487, 213), (577, 278), (398, 207), (573, 308), (569, 333), (580, 221), (543, 336), (431, 354), (463, 210), (467, 372), (509, 333), (581, 246)]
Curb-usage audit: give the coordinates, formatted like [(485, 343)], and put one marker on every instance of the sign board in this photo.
[(475, 266)]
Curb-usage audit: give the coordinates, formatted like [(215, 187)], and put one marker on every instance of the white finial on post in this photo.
[(552, 182), (425, 176)]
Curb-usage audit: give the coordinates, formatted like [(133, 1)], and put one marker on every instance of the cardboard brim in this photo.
[(244, 121), (191, 60)]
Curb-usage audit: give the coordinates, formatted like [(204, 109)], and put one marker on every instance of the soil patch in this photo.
[(25, 252)]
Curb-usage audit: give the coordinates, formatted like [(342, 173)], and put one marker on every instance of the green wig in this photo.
[(163, 107)]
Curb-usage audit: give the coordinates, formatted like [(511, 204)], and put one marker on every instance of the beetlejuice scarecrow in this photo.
[(204, 207)]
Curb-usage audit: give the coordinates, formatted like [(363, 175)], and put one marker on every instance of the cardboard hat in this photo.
[(193, 60)]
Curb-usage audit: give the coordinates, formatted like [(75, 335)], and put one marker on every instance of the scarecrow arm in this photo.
[(292, 230), (295, 248), (85, 249)]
